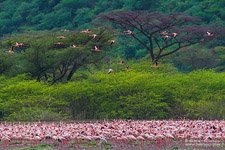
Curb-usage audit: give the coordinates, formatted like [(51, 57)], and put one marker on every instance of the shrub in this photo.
[(35, 114)]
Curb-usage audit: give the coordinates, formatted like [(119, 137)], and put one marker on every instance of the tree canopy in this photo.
[(55, 56), (23, 15), (162, 35)]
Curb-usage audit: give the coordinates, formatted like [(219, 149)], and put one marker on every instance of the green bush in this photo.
[(131, 94), (35, 114)]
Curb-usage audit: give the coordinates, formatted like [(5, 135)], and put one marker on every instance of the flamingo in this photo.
[(164, 33), (61, 37), (86, 31), (94, 36), (96, 49), (112, 42), (129, 32), (209, 34), (19, 44), (74, 46), (110, 71), (174, 34), (166, 37), (11, 50), (59, 43), (119, 130)]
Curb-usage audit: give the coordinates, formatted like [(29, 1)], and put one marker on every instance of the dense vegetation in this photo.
[(41, 14), (52, 56), (189, 83), (133, 94)]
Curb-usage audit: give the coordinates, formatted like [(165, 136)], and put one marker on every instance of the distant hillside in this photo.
[(19, 15)]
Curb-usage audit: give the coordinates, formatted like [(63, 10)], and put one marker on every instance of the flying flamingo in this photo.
[(112, 42), (59, 43), (174, 34), (86, 31), (61, 37), (166, 37), (209, 33), (94, 36), (96, 49), (11, 50), (74, 46), (164, 33), (19, 44), (129, 32), (110, 71)]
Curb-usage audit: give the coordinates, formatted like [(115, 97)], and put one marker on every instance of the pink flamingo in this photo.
[(129, 32), (61, 37), (174, 34), (94, 36), (209, 34), (164, 33), (96, 49), (19, 44), (86, 31)]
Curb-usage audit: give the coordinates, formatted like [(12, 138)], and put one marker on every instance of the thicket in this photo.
[(156, 93), (48, 14)]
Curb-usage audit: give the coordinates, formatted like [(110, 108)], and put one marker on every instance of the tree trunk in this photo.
[(155, 63), (74, 68), (60, 77)]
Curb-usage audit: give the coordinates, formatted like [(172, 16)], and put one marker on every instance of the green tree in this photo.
[(56, 56), (193, 58), (220, 58)]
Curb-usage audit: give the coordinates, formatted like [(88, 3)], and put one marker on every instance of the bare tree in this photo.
[(161, 34)]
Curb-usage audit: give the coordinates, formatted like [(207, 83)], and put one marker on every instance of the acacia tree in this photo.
[(162, 35), (56, 56)]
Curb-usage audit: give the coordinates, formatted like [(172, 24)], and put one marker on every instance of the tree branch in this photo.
[(177, 49)]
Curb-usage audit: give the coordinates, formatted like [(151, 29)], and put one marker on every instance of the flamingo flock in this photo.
[(116, 131)]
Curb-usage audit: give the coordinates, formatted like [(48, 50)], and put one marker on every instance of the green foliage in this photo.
[(157, 93), (40, 14), (35, 114), (220, 58), (6, 62), (72, 14), (53, 56), (193, 58)]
